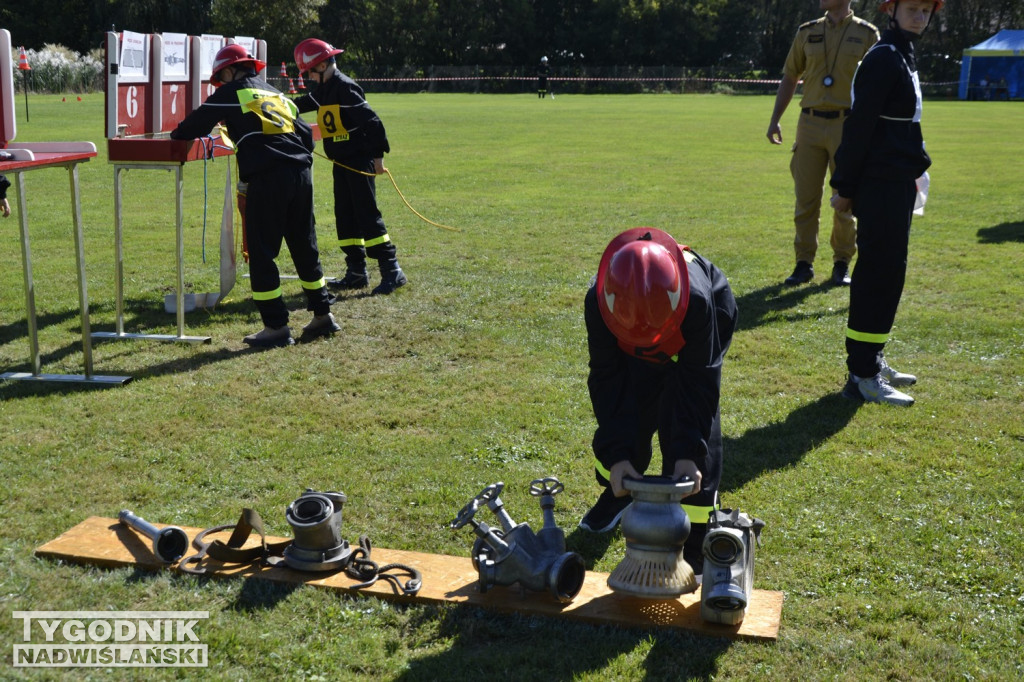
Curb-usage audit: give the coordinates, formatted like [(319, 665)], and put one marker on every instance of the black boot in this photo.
[(355, 275), (391, 277), (351, 280)]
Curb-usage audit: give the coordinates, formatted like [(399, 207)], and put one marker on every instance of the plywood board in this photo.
[(106, 542)]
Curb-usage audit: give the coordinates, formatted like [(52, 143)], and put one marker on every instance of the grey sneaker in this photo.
[(875, 390), (320, 325), (269, 337), (896, 378)]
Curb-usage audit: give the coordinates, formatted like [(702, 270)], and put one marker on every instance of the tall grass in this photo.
[(893, 532)]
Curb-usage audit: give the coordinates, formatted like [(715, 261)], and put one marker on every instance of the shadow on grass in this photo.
[(590, 546), (759, 306), (1000, 234), (19, 330), (487, 645), (260, 595), (147, 319), (779, 445)]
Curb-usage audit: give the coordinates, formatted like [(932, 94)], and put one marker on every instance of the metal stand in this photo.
[(119, 257), (83, 296)]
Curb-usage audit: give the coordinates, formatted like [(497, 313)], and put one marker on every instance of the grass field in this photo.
[(894, 533)]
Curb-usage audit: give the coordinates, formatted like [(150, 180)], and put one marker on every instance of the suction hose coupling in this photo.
[(315, 519), (515, 554)]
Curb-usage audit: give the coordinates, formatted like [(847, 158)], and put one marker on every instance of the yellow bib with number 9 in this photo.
[(328, 118)]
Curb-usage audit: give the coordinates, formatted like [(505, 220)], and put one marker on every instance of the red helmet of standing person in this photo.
[(230, 55), (311, 52), (885, 3), (643, 286)]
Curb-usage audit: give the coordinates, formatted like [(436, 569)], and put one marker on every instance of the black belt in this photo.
[(835, 113)]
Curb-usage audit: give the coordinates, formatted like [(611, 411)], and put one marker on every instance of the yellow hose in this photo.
[(392, 178)]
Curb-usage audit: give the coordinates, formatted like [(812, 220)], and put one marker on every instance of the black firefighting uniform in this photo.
[(353, 135), (274, 152), (881, 156), (676, 396)]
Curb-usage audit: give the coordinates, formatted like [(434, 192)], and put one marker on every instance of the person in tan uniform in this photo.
[(825, 54)]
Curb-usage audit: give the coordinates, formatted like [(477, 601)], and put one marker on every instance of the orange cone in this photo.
[(23, 60), (302, 86), (291, 87), (284, 71)]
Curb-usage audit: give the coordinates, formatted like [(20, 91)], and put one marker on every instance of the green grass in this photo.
[(894, 533)]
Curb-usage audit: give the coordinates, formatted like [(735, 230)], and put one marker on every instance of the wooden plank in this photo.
[(106, 542)]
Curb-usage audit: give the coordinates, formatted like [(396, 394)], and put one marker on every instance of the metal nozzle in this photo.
[(169, 544)]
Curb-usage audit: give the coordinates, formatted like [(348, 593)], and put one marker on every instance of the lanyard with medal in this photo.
[(828, 80)]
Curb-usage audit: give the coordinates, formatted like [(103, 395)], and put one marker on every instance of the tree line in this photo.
[(383, 35)]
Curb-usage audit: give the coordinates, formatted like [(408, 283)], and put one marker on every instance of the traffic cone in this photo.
[(291, 87), (302, 86), (284, 71), (23, 60)]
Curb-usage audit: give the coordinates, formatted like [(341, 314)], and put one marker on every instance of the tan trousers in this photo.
[(814, 152)]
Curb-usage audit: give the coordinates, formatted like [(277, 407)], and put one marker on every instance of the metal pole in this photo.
[(118, 253), (179, 185), (26, 259), (83, 294)]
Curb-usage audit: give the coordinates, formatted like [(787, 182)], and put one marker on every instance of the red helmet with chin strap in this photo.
[(885, 3), (311, 52), (230, 55), (643, 287)]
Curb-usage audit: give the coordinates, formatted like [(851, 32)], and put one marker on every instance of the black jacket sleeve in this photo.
[(306, 103), (4, 184), (612, 393), (695, 380), (880, 137), (367, 137), (201, 121), (872, 84)]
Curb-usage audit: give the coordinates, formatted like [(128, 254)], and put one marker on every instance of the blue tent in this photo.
[(988, 64)]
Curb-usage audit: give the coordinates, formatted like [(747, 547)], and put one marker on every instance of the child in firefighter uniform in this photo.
[(273, 147), (659, 321), (879, 160), (354, 137)]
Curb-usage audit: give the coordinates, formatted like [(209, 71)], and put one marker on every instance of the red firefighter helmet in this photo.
[(311, 52), (643, 287), (229, 55), (885, 3)]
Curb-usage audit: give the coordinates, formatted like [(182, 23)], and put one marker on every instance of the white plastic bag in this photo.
[(922, 194)]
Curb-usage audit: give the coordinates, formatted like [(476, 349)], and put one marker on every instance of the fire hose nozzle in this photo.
[(169, 544)]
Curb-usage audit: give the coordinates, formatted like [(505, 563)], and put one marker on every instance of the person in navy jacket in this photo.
[(878, 163)]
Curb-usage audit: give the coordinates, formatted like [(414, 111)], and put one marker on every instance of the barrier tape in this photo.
[(596, 79)]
